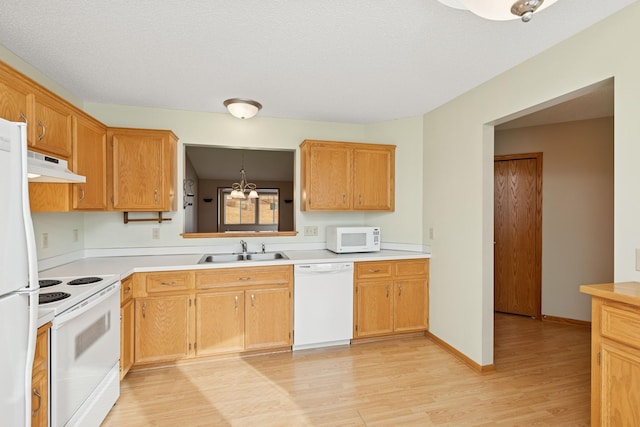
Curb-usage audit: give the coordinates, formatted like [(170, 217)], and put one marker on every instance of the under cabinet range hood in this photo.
[(44, 168)]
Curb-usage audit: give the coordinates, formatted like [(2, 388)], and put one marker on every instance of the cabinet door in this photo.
[(139, 164), (162, 328), (13, 101), (410, 305), (90, 160), (40, 380), (268, 318), (619, 391), (126, 338), (374, 308), (327, 175), (373, 172), (219, 322), (51, 127)]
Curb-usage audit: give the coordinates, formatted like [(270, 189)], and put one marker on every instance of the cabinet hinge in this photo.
[(289, 294), (598, 358), (189, 302), (189, 346), (195, 346), (356, 328)]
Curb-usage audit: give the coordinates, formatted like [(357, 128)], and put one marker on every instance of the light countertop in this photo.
[(625, 292), (126, 265)]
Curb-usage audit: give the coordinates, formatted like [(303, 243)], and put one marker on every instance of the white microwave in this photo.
[(342, 240)]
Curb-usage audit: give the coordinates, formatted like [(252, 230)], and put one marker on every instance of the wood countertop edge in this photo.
[(625, 292)]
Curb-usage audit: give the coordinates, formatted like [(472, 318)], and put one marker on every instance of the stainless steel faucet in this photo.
[(244, 246)]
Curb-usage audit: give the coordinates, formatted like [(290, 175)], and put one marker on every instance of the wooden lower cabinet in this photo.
[(198, 313), (162, 328), (268, 320), (40, 379), (220, 322), (391, 297), (615, 359), (126, 337)]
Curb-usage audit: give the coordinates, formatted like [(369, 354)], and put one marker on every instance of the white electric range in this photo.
[(85, 347)]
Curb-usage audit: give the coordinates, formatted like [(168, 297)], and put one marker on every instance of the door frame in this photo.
[(538, 218)]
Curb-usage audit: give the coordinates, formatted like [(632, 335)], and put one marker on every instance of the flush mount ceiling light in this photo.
[(501, 10), (242, 108)]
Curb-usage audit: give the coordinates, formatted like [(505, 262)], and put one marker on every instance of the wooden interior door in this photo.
[(517, 234)]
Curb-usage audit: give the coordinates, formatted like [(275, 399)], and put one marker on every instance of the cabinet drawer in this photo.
[(417, 267), (371, 270), (126, 290), (621, 324), (167, 282), (226, 277)]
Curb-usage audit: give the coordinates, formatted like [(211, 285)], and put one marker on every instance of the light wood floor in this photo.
[(541, 379)]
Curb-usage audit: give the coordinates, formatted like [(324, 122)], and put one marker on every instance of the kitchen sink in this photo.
[(235, 257)]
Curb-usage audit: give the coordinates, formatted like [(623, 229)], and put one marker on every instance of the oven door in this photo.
[(85, 345)]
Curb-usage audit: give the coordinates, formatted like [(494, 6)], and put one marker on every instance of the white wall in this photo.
[(458, 163), (577, 208)]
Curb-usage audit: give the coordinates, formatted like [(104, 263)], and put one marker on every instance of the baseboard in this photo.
[(482, 369), (583, 323)]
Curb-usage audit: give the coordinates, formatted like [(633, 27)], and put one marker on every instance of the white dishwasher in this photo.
[(323, 305)]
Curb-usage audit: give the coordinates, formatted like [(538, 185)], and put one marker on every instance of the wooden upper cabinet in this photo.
[(49, 128), (143, 169), (326, 176), (346, 176), (13, 99), (90, 160)]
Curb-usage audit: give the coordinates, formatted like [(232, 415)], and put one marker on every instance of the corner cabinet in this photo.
[(615, 353), (143, 169), (347, 176), (391, 297)]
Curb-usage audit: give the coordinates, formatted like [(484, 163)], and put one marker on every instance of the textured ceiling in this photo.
[(357, 61)]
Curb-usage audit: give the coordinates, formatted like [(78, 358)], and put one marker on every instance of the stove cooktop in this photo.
[(59, 294)]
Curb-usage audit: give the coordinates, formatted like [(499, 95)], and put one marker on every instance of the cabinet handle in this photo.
[(253, 299), (144, 310), (387, 291), (344, 199), (373, 271), (172, 283), (44, 130), (81, 193), (359, 199), (236, 302), (24, 117), (155, 196), (39, 396), (127, 289), (399, 290), (244, 279)]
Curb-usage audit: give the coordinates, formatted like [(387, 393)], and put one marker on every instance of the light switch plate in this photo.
[(310, 230)]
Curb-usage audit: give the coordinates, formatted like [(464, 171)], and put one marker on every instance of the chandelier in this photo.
[(238, 189), (501, 10)]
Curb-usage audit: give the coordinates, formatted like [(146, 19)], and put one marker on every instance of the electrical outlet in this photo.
[(310, 230), (75, 234), (44, 240), (155, 233), (431, 233)]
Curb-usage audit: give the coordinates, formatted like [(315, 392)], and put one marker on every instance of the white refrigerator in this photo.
[(18, 278)]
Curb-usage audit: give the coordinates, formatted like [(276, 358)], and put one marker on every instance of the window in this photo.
[(248, 214)]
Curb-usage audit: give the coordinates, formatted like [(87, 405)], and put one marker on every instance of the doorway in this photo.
[(518, 234)]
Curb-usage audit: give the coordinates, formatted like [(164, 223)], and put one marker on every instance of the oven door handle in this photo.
[(85, 306)]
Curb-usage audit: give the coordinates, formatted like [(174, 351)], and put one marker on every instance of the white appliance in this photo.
[(353, 239), (322, 305), (85, 347), (18, 278), (45, 168)]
